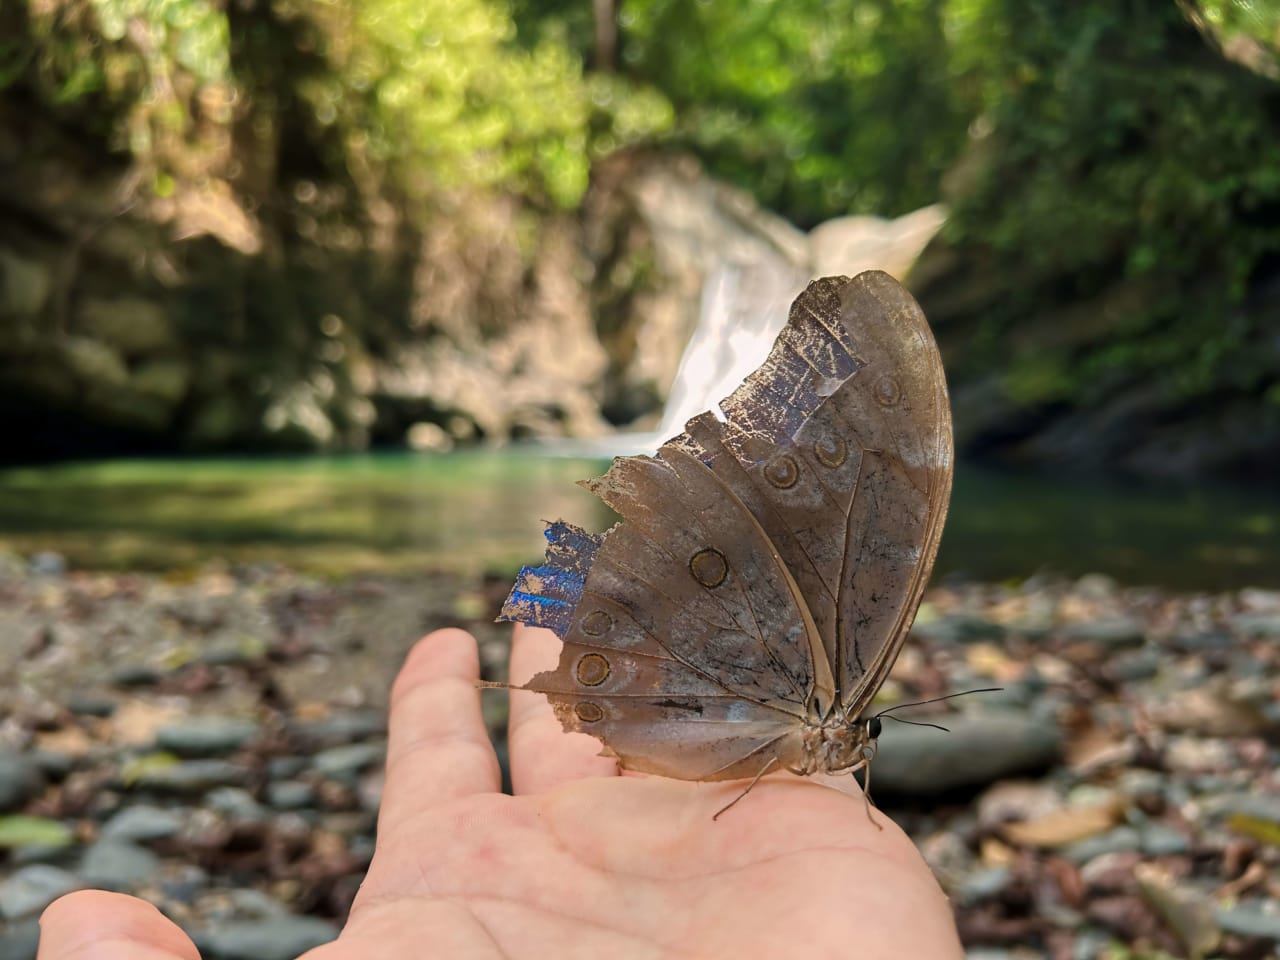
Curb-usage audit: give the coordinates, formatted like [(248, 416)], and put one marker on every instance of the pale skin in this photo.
[(581, 862)]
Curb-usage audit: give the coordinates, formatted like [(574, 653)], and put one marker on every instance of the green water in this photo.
[(470, 512)]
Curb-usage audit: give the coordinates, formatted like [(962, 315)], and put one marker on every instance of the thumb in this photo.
[(96, 925)]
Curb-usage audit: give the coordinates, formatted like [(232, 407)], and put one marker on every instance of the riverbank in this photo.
[(214, 743)]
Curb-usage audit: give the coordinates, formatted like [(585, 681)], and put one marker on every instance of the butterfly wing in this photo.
[(769, 563), (686, 641)]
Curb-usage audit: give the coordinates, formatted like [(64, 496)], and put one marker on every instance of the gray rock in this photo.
[(117, 865), (88, 705), (20, 779), (55, 766), (1114, 633), (235, 804), (1255, 920), (277, 938), (191, 776), (1133, 665), (285, 768), (346, 763), (983, 884), (28, 890), (142, 822), (343, 727), (290, 794), (136, 675), (1256, 805), (1257, 624), (982, 747), (46, 563), (1157, 840), (206, 737), (1116, 840), (21, 940)]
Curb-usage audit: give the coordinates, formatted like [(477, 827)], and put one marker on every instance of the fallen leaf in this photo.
[(1064, 826)]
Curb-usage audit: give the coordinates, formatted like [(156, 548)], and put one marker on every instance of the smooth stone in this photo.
[(117, 865), (289, 794), (248, 902), (1207, 641), (46, 563), (235, 803), (91, 706), (20, 940), (1254, 920), (982, 747), (20, 779), (136, 675), (30, 889), (286, 768), (1257, 624), (342, 727), (1116, 840), (1158, 840), (183, 882), (276, 938), (347, 762), (142, 822), (1113, 632), (1255, 805), (1134, 665), (55, 766), (191, 776), (208, 737), (983, 884)]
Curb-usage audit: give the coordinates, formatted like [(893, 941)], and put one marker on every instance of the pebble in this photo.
[(1159, 840), (1255, 805), (341, 727), (20, 779), (1116, 840), (206, 737), (142, 822), (1115, 633), (289, 794), (276, 938), (285, 768), (30, 889), (981, 747), (117, 865), (983, 884), (1258, 624), (236, 804), (346, 762), (21, 940), (50, 565), (190, 776), (1255, 920)]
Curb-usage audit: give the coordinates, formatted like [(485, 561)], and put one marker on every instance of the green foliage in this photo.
[(818, 107), (1120, 149)]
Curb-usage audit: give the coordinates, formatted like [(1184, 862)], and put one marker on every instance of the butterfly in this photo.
[(769, 564)]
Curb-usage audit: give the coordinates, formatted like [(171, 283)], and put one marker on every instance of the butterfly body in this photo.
[(769, 564)]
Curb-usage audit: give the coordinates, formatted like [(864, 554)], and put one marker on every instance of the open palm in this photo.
[(580, 862)]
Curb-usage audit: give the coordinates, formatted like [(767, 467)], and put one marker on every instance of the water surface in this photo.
[(474, 511)]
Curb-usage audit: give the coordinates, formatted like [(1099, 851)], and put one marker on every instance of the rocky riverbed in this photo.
[(214, 743)]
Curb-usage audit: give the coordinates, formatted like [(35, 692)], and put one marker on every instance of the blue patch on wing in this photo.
[(547, 595)]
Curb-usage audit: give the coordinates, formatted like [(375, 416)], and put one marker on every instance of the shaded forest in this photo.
[(278, 225)]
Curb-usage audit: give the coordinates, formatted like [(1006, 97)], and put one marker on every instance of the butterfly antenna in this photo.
[(921, 703), (920, 723)]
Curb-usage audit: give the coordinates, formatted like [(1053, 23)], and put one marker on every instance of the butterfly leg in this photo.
[(763, 771), (865, 764)]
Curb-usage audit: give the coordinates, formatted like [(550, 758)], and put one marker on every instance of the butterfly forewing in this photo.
[(768, 564)]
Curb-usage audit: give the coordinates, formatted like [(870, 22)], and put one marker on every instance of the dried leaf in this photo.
[(1064, 826)]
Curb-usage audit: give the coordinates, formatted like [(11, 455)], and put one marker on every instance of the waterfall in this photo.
[(744, 307)]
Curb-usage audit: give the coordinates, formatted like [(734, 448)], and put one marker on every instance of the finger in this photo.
[(437, 746), (543, 756), (96, 925)]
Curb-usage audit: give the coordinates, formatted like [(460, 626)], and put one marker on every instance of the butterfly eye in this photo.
[(873, 728)]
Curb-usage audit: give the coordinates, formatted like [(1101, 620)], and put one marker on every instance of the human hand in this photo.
[(581, 862)]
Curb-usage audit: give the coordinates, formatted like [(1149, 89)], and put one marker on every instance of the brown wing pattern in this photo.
[(768, 564)]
